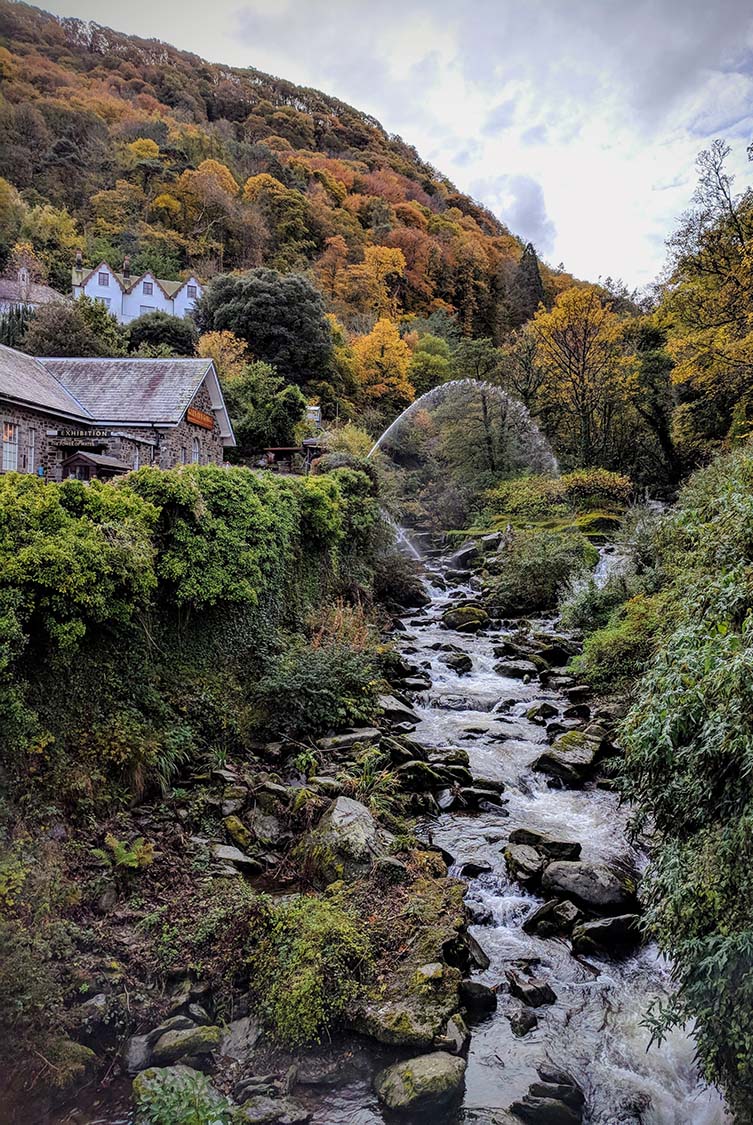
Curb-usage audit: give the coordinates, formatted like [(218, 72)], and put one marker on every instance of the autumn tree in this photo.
[(383, 360), (331, 264), (709, 296), (521, 370), (579, 342), (229, 354), (374, 284)]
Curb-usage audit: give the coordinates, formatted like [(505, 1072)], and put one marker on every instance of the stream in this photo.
[(594, 1030)]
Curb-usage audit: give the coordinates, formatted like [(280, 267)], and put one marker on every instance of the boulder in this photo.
[(175, 1045), (616, 934), (396, 712), (546, 845), (545, 1111), (465, 619), (238, 832), (347, 839), (524, 864), (466, 554), (540, 713), (477, 999), (263, 1110), (245, 863), (516, 669), (350, 738), (427, 1082), (479, 914), (571, 760), (240, 1037), (557, 655), (551, 918), (522, 1021), (491, 542), (533, 991), (414, 1012), (456, 1036), (459, 662), (595, 886)]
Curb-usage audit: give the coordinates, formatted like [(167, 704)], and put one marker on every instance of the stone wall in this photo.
[(165, 447), (176, 445), (45, 453)]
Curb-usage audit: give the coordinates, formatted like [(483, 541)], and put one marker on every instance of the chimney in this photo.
[(127, 269), (79, 260)]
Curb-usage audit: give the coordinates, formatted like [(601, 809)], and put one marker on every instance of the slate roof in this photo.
[(100, 459), (13, 292), (132, 390), (25, 380), (128, 284)]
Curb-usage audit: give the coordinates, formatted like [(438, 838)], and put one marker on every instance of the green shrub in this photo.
[(179, 1099), (586, 606), (533, 498), (307, 964), (534, 567), (308, 691), (614, 655)]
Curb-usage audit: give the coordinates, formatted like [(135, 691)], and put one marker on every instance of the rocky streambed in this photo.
[(525, 1000), (557, 1001)]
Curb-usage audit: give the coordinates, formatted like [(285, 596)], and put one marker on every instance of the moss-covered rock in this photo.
[(238, 832), (465, 618), (174, 1045), (429, 1081)]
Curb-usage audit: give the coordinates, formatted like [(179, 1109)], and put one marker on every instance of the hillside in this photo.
[(130, 146)]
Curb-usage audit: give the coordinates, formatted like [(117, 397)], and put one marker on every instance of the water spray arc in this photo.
[(537, 454)]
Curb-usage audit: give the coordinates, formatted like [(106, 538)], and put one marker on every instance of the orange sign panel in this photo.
[(200, 418)]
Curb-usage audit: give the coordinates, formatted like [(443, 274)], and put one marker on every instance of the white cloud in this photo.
[(595, 108)]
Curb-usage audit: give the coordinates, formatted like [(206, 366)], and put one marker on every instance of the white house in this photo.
[(127, 296)]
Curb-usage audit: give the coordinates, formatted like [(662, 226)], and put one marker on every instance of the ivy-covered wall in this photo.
[(137, 617)]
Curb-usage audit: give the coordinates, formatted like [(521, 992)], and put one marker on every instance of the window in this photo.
[(136, 457), (191, 290), (195, 451), (103, 279), (31, 452), (183, 455), (147, 288), (103, 301), (10, 447), (145, 309)]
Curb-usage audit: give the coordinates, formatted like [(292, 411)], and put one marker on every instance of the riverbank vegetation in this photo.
[(673, 632)]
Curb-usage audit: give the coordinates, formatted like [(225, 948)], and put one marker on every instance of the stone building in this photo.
[(20, 291), (103, 417)]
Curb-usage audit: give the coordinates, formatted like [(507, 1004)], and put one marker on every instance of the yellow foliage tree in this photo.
[(229, 353), (382, 360), (580, 356), (374, 284)]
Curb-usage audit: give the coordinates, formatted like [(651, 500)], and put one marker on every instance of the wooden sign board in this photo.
[(200, 418)]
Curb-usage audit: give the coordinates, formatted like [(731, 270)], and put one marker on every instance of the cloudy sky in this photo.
[(576, 121)]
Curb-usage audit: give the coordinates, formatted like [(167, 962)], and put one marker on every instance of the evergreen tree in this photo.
[(526, 289)]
